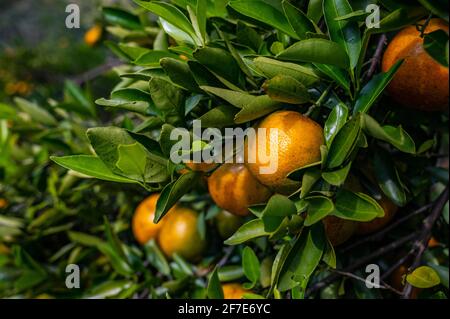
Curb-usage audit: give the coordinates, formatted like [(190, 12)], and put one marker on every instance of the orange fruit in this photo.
[(390, 209), (421, 82), (93, 35), (233, 291), (298, 140), (234, 188), (433, 243), (3, 203), (142, 224), (180, 234), (339, 230), (227, 223)]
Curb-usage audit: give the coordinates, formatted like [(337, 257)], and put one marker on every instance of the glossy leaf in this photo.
[(286, 89), (250, 265), (276, 210), (272, 68), (172, 192), (372, 90), (318, 208), (214, 289), (91, 166), (336, 120), (316, 51), (250, 230), (356, 206), (344, 32), (388, 179)]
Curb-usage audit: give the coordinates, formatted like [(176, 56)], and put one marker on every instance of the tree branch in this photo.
[(364, 261), (385, 230), (375, 61), (421, 244)]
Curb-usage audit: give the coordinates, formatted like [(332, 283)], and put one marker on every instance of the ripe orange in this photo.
[(3, 203), (227, 223), (234, 188), (390, 209), (142, 224), (93, 35), (233, 291), (180, 234), (433, 243), (421, 82), (339, 230), (298, 141)]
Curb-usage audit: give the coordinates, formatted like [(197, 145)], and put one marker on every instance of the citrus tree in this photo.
[(358, 94)]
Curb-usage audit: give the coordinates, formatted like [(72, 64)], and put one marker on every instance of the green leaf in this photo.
[(396, 136), (230, 273), (436, 45), (423, 277), (221, 116), (122, 18), (271, 68), (299, 22), (131, 161), (237, 99), (173, 192), (309, 179), (356, 206), (276, 210), (264, 12), (36, 112), (318, 208), (336, 120), (169, 13), (346, 33), (303, 258), (329, 255), (220, 62), (338, 177), (168, 99), (387, 177), (315, 11), (336, 75), (250, 265), (156, 257), (79, 97), (180, 73), (152, 58), (250, 230), (214, 289), (90, 166), (259, 107), (286, 89), (140, 107), (106, 142), (344, 143), (372, 90), (316, 51)]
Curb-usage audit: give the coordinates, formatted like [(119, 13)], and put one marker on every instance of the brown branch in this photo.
[(421, 244), (96, 72), (383, 285), (385, 230), (364, 261), (375, 61)]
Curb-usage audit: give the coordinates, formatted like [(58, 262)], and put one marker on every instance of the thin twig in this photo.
[(385, 230), (364, 261), (375, 61), (421, 243), (96, 72), (382, 285)]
